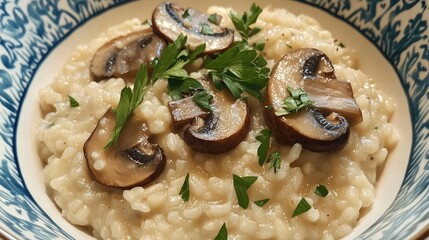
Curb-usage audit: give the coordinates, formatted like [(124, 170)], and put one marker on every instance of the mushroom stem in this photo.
[(212, 132)]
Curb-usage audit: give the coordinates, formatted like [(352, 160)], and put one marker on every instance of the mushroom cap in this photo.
[(131, 162), (122, 56), (320, 128), (168, 21), (217, 131)]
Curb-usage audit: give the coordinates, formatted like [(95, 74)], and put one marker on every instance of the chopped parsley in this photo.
[(242, 22), (264, 138), (321, 190), (222, 234), (184, 191), (128, 101), (73, 102), (241, 185), (274, 160), (302, 207), (206, 29), (296, 100), (341, 45), (213, 18), (262, 202), (148, 22)]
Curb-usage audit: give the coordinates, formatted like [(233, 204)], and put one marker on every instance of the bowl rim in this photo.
[(10, 167)]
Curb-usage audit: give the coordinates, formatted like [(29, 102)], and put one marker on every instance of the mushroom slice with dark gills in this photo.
[(213, 132), (122, 56), (170, 20), (131, 161), (323, 127)]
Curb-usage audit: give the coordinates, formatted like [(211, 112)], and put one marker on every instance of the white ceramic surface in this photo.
[(20, 159)]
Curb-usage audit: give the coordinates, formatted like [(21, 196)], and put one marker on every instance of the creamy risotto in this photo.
[(157, 210)]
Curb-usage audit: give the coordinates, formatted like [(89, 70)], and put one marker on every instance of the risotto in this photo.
[(157, 210)]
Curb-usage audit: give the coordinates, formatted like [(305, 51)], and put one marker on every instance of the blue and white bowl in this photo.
[(36, 38)]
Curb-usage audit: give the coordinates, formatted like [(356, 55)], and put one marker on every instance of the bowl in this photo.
[(391, 38)]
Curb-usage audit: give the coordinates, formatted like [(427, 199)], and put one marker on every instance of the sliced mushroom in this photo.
[(170, 20), (184, 111), (215, 132), (132, 161), (323, 127), (122, 56)]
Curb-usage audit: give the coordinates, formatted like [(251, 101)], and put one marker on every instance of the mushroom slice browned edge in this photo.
[(212, 132), (324, 127), (169, 22), (122, 56), (131, 161)]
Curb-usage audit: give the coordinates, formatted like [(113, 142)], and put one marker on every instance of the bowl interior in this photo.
[(371, 61)]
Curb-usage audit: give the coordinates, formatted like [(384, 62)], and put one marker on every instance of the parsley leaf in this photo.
[(296, 100), (128, 101), (148, 22), (259, 46), (214, 18), (242, 22), (321, 191), (203, 100), (73, 102), (262, 202), (240, 69), (177, 87), (302, 207), (275, 159), (241, 185), (206, 29), (172, 60), (264, 138), (184, 191), (186, 14), (222, 234), (170, 65)]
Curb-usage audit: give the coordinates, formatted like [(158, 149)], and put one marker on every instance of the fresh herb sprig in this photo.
[(128, 101), (170, 65), (240, 69), (173, 59), (241, 185), (264, 138), (184, 190), (222, 234), (242, 22), (178, 87), (296, 100)]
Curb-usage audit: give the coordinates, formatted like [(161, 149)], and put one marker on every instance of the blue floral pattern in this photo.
[(30, 29)]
